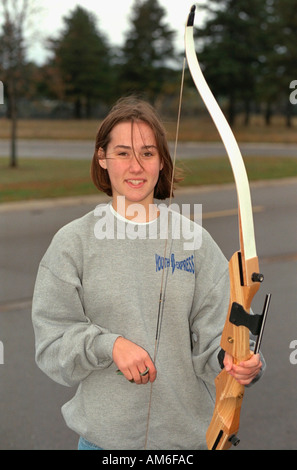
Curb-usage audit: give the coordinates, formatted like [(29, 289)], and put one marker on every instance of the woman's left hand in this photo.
[(244, 372)]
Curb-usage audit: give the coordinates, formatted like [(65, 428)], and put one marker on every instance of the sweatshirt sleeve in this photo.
[(208, 321), (68, 345)]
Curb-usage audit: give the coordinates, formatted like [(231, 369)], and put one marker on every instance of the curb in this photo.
[(39, 204)]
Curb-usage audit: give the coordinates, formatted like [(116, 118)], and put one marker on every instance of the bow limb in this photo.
[(243, 269)]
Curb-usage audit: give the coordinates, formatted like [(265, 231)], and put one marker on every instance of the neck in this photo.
[(135, 211)]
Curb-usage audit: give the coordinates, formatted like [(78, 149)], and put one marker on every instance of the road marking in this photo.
[(227, 213), (285, 257), (15, 305)]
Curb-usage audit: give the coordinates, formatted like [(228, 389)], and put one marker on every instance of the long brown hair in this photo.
[(131, 110)]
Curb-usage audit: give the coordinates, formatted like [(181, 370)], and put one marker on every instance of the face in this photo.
[(133, 163)]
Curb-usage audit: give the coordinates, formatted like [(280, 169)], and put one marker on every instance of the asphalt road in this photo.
[(84, 149), (30, 402)]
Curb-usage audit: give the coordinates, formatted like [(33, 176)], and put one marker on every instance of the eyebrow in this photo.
[(129, 148)]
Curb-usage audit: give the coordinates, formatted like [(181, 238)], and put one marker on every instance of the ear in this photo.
[(101, 158)]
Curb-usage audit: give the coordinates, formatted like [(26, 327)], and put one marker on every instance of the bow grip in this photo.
[(236, 336)]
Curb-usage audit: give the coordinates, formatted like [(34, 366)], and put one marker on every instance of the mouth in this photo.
[(135, 183)]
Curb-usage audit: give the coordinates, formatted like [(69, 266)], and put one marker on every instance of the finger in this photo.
[(246, 381), (148, 370), (152, 371), (136, 375), (228, 362), (145, 375), (243, 372), (254, 361), (126, 374), (141, 375), (245, 376), (142, 379)]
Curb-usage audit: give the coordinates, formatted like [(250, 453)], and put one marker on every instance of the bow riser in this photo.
[(236, 341), (235, 337), (225, 421)]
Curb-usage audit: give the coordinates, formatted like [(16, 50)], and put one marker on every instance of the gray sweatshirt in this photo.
[(100, 279)]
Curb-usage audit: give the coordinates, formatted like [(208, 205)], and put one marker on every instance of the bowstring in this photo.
[(163, 280)]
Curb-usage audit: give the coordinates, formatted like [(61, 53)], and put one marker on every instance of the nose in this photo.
[(135, 165)]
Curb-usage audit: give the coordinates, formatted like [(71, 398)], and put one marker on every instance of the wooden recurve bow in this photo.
[(243, 270)]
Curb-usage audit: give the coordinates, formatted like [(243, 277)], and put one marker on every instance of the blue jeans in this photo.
[(83, 444)]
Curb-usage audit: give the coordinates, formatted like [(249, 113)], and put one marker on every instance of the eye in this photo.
[(148, 154), (123, 154)]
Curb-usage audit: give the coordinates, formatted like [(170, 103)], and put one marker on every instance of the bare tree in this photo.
[(16, 16)]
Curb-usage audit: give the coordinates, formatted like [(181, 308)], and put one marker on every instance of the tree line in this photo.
[(247, 51)]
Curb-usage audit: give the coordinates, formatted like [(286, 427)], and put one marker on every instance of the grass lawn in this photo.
[(41, 178), (199, 128), (49, 178)]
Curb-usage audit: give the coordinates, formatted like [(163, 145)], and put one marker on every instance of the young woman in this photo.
[(97, 307)]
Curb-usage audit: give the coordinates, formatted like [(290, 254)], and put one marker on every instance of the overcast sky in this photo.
[(113, 19)]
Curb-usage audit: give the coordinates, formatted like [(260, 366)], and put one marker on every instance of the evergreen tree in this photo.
[(234, 44), (268, 79), (285, 58), (83, 60), (147, 52)]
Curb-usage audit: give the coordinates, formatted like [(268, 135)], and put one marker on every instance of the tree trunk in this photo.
[(231, 110), (13, 162), (268, 114), (78, 108), (289, 115), (247, 115), (88, 107)]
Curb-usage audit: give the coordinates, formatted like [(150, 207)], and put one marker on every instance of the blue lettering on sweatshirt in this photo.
[(184, 265)]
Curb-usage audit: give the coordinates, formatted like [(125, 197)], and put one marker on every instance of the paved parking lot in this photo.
[(30, 402)]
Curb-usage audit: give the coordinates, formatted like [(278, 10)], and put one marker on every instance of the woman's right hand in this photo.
[(132, 360)]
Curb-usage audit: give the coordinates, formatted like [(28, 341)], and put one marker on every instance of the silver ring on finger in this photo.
[(142, 374)]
